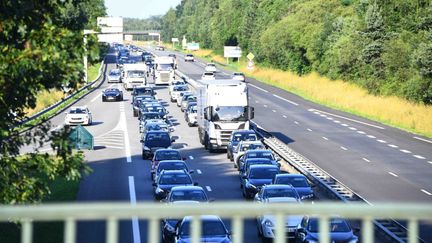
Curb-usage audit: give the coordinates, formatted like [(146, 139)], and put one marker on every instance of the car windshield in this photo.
[(209, 228), (280, 192), (193, 109), (246, 147), (230, 113), (143, 91), (136, 74), (294, 181), (115, 72), (263, 173), (336, 225), (265, 155), (188, 195), (172, 166), (165, 67), (244, 137), (181, 88), (77, 111), (157, 140), (111, 91), (167, 155), (171, 179), (154, 109), (152, 116), (211, 65), (192, 98)]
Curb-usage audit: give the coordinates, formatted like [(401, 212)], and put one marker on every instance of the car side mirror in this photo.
[(184, 158), (195, 184), (154, 184), (191, 171)]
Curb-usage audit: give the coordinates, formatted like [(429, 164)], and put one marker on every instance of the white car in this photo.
[(189, 58), (180, 98), (239, 76), (114, 76), (78, 115), (177, 91), (191, 116), (160, 48), (208, 76), (174, 83), (210, 67), (244, 146)]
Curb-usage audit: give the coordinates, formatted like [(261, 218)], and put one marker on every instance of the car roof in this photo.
[(281, 199), (278, 186), (291, 175), (204, 217), (186, 188), (171, 161), (250, 142), (78, 107), (258, 150)]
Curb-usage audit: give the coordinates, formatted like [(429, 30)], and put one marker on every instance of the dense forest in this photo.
[(384, 46)]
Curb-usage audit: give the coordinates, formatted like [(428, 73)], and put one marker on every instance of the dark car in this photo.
[(168, 179), (256, 177), (187, 193), (155, 140), (298, 181), (255, 161), (258, 153), (112, 95), (212, 230), (158, 108), (142, 90), (138, 100), (172, 164), (236, 137), (340, 231), (270, 191)]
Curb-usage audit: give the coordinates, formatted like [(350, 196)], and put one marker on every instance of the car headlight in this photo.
[(159, 191), (268, 223)]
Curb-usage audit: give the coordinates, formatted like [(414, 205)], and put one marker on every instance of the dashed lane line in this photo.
[(426, 192), (256, 87), (371, 136), (284, 116), (353, 128), (274, 111), (310, 130), (345, 125), (366, 160), (135, 223), (199, 172), (336, 121), (343, 148), (361, 132), (325, 138), (191, 157), (430, 162), (265, 106), (393, 174), (349, 119), (296, 122), (393, 146), (405, 151), (419, 156), (381, 141), (289, 101), (208, 188)]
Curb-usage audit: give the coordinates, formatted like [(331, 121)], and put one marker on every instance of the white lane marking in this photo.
[(336, 121), (329, 118), (430, 162), (371, 136), (393, 174), (361, 132), (323, 115), (311, 110), (284, 116), (191, 157), (353, 128), (381, 141), (95, 98), (426, 192), (122, 125), (424, 140), (135, 223), (274, 111), (366, 160), (419, 156), (289, 101), (393, 146), (256, 101), (208, 188), (325, 138), (342, 147), (405, 151), (265, 106), (199, 172), (310, 130), (296, 122), (353, 120), (345, 125), (256, 87), (316, 112)]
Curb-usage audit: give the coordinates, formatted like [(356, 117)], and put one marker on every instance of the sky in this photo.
[(138, 8)]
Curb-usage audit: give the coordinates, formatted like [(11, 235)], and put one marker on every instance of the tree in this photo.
[(42, 49)]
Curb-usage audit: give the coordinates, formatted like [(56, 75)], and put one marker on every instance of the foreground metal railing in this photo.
[(235, 211)]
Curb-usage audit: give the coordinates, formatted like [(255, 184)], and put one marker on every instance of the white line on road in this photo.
[(95, 98), (336, 121), (422, 139), (274, 111), (393, 146), (366, 160), (265, 106), (316, 112), (371, 136), (256, 87), (419, 156), (289, 101), (381, 141), (208, 188), (426, 192), (122, 125), (361, 132), (135, 223), (393, 174), (353, 120), (284, 116), (325, 138), (199, 172), (191, 157), (310, 130), (405, 151), (353, 128), (56, 128), (345, 125), (323, 115), (296, 122), (256, 101), (342, 147), (430, 162), (329, 118)]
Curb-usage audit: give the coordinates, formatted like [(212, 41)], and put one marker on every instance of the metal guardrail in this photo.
[(235, 211), (389, 228), (57, 104)]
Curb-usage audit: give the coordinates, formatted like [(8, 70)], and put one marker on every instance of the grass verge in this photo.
[(340, 95), (44, 232)]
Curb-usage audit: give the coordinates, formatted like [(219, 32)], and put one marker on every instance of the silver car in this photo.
[(244, 146), (114, 76)]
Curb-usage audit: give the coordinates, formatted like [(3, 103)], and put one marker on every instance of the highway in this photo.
[(378, 162)]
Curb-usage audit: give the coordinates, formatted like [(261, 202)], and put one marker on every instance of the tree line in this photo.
[(384, 46)]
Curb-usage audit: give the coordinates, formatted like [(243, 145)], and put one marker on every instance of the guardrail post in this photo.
[(280, 228), (112, 230), (27, 231), (196, 229), (324, 229), (69, 230), (238, 229), (368, 233), (154, 230), (413, 231)]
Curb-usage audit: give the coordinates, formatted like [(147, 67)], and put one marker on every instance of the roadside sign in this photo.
[(193, 46), (81, 138), (174, 40), (232, 52), (250, 56)]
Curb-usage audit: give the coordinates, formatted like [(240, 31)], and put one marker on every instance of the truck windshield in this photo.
[(136, 74), (165, 67), (230, 113)]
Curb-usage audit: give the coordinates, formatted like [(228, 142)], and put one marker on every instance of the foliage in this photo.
[(379, 45), (42, 49)]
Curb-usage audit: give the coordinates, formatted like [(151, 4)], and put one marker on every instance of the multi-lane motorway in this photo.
[(378, 162)]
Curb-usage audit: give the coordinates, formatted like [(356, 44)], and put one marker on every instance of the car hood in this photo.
[(334, 236), (260, 182), (290, 220), (114, 76), (207, 239)]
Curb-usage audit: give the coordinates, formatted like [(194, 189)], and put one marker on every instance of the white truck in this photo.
[(164, 70), (134, 74), (222, 107)]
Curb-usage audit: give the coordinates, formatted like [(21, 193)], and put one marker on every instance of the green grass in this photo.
[(93, 71), (44, 232)]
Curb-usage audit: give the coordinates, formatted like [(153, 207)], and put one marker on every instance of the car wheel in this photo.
[(228, 155), (190, 124), (135, 114)]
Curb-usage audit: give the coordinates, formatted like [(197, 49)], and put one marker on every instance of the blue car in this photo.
[(298, 181), (256, 177), (340, 231), (213, 230), (236, 137)]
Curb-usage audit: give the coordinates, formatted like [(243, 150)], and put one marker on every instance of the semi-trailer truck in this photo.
[(164, 70)]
